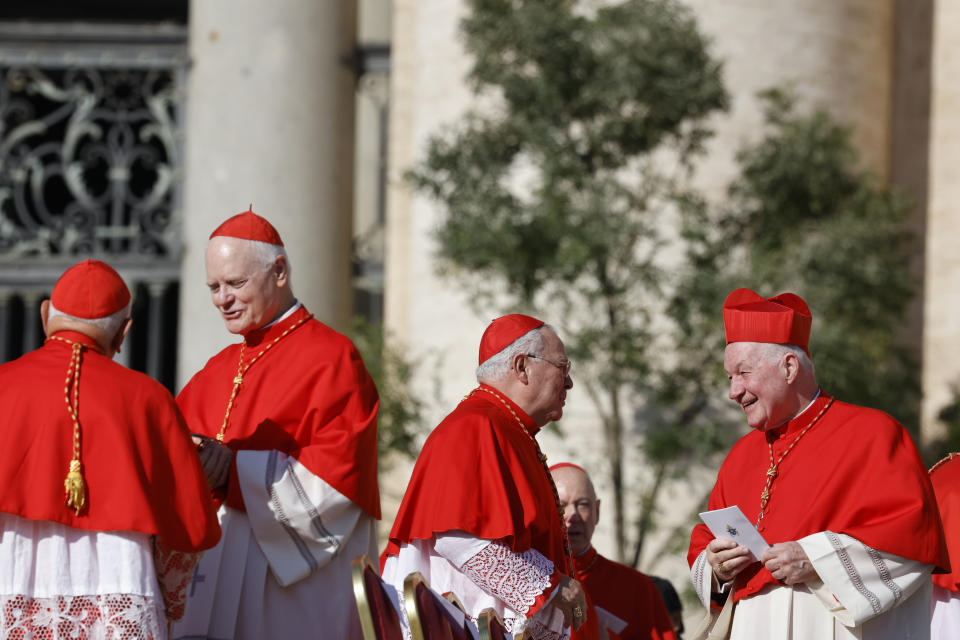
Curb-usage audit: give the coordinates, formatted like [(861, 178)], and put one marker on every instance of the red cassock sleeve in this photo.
[(946, 484), (478, 472), (309, 396), (140, 466), (856, 472)]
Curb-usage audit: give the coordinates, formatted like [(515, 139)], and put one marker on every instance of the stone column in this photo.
[(269, 120), (941, 335)]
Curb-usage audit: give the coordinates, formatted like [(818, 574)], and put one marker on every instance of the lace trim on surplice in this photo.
[(108, 617)]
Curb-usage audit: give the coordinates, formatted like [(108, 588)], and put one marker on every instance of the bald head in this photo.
[(581, 508)]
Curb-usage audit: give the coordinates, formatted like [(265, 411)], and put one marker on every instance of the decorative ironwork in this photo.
[(88, 162), (90, 156)]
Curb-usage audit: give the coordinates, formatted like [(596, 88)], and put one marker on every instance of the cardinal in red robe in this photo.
[(945, 614), (837, 491), (629, 604), (104, 506), (285, 423), (480, 516)]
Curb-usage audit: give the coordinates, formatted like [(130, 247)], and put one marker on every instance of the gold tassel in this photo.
[(75, 487)]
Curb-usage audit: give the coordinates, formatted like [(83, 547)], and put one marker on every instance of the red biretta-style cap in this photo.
[(90, 289), (503, 331), (782, 319), (248, 226)]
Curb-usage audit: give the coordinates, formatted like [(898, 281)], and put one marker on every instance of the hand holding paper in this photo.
[(730, 523)]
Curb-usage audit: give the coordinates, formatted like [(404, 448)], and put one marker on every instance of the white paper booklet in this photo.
[(730, 523)]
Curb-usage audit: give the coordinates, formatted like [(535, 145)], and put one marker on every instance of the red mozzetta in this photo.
[(946, 483), (140, 467), (855, 472), (626, 593), (309, 396), (479, 473)]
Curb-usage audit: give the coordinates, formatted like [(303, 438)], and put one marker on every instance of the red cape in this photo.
[(945, 477), (140, 466), (626, 593), (856, 471), (309, 397), (478, 472)]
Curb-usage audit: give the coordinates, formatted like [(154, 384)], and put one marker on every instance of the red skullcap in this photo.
[(90, 289), (561, 465), (503, 331), (248, 226), (782, 319)]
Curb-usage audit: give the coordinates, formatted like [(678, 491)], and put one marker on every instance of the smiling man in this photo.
[(287, 434), (479, 517), (837, 490)]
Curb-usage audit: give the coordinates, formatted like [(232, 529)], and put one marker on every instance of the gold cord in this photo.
[(543, 462), (775, 466), (242, 369), (74, 485)]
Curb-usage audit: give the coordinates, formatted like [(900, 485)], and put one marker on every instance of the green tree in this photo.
[(400, 420), (803, 215), (563, 190)]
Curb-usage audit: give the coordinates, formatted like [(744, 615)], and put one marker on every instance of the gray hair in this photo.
[(266, 254), (498, 366), (109, 324), (774, 351)]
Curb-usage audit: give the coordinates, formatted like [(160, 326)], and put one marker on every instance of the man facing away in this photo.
[(480, 517), (837, 490), (289, 442), (104, 506), (638, 611)]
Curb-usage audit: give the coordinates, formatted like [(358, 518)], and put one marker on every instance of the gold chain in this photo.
[(74, 485), (242, 369), (543, 462), (774, 466)]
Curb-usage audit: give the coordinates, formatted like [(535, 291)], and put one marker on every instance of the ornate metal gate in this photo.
[(90, 166)]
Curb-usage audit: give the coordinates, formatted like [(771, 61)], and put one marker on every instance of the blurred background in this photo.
[(614, 167)]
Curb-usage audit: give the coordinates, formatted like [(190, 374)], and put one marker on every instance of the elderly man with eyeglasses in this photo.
[(480, 515)]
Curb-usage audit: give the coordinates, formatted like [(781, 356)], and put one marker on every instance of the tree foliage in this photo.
[(569, 189), (805, 216), (558, 189), (400, 419)]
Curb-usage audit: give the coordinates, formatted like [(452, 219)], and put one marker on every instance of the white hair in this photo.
[(498, 366), (774, 351), (109, 324), (266, 254)]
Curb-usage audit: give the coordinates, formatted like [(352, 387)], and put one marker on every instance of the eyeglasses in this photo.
[(563, 365)]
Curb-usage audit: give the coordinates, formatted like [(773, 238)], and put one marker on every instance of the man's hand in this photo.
[(788, 563), (571, 601), (727, 558), (215, 458)]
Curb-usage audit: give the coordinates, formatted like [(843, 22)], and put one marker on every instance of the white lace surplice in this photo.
[(60, 582), (483, 574), (865, 594)]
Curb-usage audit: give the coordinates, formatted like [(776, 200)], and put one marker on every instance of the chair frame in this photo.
[(360, 596)]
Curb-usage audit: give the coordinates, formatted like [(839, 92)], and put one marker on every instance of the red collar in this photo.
[(799, 422), (583, 563), (267, 334), (76, 336)]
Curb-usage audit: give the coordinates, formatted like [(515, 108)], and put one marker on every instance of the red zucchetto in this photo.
[(503, 331), (782, 319), (248, 226), (89, 290)]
